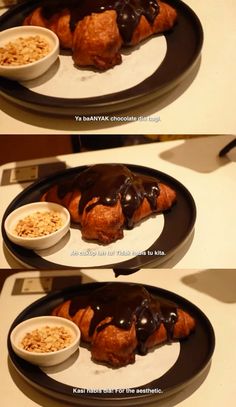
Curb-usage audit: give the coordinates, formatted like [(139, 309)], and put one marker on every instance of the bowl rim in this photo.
[(61, 322), (55, 48), (36, 238)]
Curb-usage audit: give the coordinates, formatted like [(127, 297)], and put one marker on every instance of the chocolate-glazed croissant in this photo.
[(106, 198), (96, 31), (120, 320)]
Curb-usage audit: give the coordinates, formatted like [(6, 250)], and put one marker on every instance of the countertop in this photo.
[(203, 103), (213, 291), (196, 164)]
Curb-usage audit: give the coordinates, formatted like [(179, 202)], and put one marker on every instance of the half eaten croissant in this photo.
[(119, 320), (106, 198), (96, 30)]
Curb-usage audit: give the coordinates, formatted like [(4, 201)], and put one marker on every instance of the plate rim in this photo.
[(109, 103), (136, 399), (133, 264)]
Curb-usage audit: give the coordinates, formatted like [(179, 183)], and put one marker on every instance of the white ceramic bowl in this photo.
[(42, 242), (33, 69), (49, 358)]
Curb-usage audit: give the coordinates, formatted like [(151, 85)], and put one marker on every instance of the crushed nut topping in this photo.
[(47, 339), (24, 50), (39, 224)]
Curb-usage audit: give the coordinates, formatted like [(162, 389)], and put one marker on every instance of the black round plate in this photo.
[(184, 45), (195, 354), (178, 223)]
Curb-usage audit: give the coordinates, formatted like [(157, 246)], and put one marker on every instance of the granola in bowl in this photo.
[(39, 224)]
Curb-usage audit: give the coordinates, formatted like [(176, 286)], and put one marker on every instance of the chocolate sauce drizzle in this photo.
[(109, 182), (128, 12), (126, 304)]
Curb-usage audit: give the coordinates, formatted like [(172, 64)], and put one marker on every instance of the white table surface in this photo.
[(195, 163), (213, 291), (203, 103)]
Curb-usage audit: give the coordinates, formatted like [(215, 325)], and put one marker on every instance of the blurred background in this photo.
[(26, 147)]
